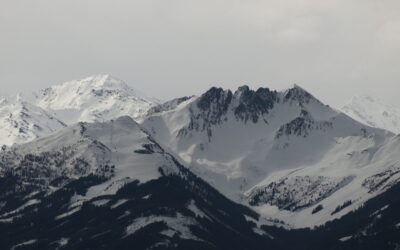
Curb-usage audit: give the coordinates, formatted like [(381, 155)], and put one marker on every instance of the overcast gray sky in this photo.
[(170, 48)]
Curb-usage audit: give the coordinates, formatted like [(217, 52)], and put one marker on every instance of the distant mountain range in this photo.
[(94, 164)]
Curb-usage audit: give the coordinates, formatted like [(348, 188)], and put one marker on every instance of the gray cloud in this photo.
[(333, 48)]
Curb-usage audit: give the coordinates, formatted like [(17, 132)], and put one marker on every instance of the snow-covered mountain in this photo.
[(110, 186), (373, 112), (21, 121), (285, 154), (89, 148), (95, 98), (224, 170)]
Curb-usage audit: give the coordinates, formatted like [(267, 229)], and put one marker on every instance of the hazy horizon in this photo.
[(334, 49)]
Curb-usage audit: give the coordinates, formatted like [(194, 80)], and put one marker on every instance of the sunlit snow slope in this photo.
[(95, 98), (21, 121)]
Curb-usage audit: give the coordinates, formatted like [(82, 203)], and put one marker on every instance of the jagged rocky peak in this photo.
[(212, 109), (244, 92), (298, 94), (252, 104), (217, 106), (215, 98), (249, 104), (246, 104)]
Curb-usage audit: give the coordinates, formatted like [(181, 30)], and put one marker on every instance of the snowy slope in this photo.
[(95, 98), (21, 122), (110, 186), (373, 112), (91, 148), (283, 153)]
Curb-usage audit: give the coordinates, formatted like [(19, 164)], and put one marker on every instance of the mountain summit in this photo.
[(277, 151), (223, 170), (95, 98)]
